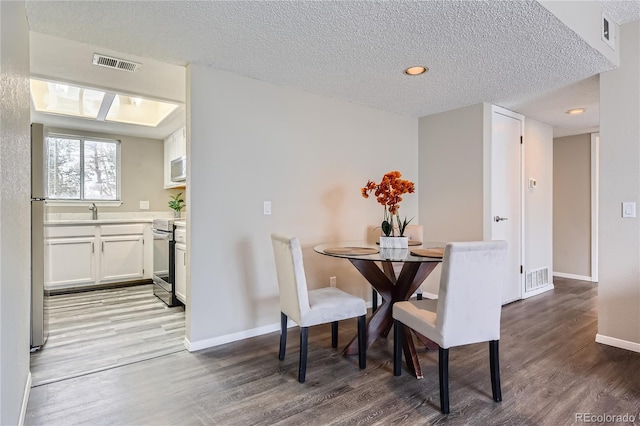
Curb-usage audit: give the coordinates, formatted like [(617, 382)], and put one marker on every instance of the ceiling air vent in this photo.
[(115, 63)]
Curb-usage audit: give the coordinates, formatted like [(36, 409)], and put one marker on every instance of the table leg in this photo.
[(410, 354), (428, 343), (380, 321), (412, 275)]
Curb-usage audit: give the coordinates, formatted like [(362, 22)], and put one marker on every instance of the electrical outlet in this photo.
[(332, 281)]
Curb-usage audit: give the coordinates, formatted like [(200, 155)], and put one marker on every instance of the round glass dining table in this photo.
[(376, 266)]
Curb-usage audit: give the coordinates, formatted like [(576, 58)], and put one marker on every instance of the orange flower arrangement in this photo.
[(389, 193)]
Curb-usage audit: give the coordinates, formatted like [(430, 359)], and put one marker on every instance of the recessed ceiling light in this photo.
[(416, 70), (576, 111)]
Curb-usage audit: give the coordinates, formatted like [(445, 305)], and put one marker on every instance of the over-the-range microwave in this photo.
[(179, 169)]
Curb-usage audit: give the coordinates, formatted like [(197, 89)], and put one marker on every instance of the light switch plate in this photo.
[(267, 208), (144, 205), (628, 209)]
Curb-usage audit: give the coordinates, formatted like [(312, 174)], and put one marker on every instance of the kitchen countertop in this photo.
[(180, 223), (67, 222)]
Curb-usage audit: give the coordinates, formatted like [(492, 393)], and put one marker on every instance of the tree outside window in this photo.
[(82, 169)]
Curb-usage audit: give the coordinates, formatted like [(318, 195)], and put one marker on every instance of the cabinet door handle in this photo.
[(103, 246), (93, 248), (184, 258)]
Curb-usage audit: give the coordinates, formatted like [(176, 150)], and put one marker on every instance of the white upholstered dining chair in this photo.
[(467, 310), (311, 307)]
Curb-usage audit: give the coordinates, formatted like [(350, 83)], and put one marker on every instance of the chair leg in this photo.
[(302, 366), (443, 370), (398, 330), (283, 335), (362, 342), (494, 358), (334, 334), (374, 300)]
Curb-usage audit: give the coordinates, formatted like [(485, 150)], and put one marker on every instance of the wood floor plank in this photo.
[(103, 329), (551, 369)]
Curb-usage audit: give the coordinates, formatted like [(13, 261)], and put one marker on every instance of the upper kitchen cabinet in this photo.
[(175, 146)]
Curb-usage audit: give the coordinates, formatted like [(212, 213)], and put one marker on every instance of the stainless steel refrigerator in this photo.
[(39, 329)]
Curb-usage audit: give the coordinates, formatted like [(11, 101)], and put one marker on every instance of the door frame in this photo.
[(487, 199)]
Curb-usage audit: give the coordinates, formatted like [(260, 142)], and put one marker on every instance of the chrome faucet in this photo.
[(94, 211)]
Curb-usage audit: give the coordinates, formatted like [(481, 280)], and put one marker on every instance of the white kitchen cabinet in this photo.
[(121, 258), (175, 146), (70, 262), (77, 256), (181, 272)]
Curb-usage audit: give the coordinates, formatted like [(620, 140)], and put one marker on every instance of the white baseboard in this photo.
[(572, 276), (537, 291), (25, 400), (233, 337), (245, 334), (618, 343)]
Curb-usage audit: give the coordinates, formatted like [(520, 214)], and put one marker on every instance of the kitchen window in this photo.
[(82, 169)]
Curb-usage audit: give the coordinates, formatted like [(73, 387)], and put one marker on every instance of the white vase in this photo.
[(394, 254), (394, 242)]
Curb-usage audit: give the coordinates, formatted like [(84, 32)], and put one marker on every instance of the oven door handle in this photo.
[(160, 235)]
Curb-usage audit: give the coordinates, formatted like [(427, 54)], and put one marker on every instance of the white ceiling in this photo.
[(515, 54)]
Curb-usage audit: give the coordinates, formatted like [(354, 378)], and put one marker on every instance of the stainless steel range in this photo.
[(163, 261)]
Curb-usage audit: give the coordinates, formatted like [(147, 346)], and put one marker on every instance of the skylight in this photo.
[(84, 102)]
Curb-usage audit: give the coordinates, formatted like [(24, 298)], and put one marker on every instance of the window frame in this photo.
[(83, 201)]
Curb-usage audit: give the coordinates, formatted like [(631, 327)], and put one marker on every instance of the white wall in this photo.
[(572, 206), (538, 202), (251, 141), (450, 186), (15, 192), (451, 183), (619, 266), (69, 60)]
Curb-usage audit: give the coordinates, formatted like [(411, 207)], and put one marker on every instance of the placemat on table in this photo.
[(428, 252), (351, 250)]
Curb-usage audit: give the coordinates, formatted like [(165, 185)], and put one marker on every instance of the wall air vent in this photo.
[(536, 279), (115, 63)]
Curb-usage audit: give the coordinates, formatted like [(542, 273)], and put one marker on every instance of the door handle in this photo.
[(500, 219)]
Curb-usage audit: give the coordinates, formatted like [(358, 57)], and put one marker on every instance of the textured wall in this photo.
[(15, 196)]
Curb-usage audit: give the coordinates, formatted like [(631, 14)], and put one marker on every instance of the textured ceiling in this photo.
[(506, 53), (622, 11)]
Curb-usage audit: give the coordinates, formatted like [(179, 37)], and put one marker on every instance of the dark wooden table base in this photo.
[(392, 289)]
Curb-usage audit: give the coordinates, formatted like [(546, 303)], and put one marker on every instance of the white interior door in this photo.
[(506, 195)]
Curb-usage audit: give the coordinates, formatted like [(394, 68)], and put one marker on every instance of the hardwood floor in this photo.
[(102, 329), (551, 369)]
